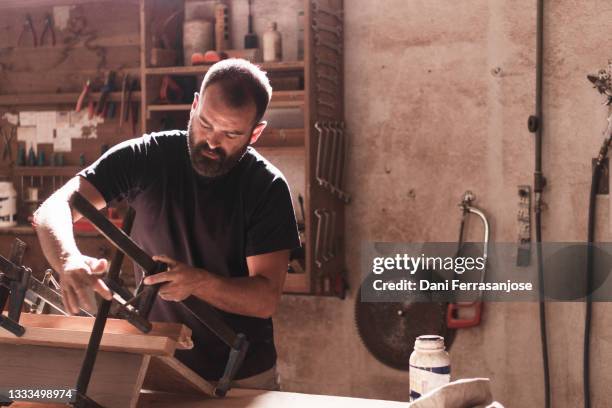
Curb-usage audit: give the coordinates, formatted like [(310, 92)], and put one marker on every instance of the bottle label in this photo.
[(425, 379)]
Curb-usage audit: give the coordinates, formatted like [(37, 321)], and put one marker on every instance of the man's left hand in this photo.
[(181, 280)]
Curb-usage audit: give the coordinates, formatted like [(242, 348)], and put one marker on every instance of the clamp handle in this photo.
[(12, 326), (237, 353), (149, 293)]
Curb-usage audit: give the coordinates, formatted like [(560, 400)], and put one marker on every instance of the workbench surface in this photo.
[(243, 398)]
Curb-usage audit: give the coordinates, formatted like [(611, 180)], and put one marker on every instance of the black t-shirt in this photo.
[(210, 223)]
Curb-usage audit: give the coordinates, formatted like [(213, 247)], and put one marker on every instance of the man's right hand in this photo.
[(80, 277)]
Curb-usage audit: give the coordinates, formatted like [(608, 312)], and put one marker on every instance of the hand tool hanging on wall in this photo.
[(602, 81), (146, 294), (523, 255), (250, 39), (318, 25), (28, 26), (388, 329), (453, 320), (319, 8), (48, 30), (325, 251), (109, 85), (331, 157), (84, 95), (8, 135)]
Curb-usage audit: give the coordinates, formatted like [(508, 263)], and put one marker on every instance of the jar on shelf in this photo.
[(272, 44), (8, 204)]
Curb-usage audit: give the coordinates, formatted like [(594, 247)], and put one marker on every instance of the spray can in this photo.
[(8, 204), (429, 365)]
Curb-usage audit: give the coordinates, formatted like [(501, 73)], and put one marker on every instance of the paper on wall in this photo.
[(45, 125), (27, 134), (11, 118), (27, 118), (62, 119), (63, 138)]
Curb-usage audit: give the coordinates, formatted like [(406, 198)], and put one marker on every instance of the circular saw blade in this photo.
[(388, 330)]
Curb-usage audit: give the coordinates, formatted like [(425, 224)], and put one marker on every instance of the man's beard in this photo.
[(206, 166)]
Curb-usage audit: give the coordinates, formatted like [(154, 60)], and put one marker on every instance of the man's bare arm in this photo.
[(257, 295), (53, 223)]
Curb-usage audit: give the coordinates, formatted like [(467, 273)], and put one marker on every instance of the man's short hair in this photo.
[(242, 82)]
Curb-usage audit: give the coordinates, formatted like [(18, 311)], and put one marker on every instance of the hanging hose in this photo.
[(586, 359), (535, 126)]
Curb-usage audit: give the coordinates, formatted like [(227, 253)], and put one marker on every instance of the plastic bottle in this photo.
[(429, 365), (272, 44), (8, 204)]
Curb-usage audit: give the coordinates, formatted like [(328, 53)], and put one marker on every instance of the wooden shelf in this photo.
[(6, 4), (58, 98), (47, 171), (280, 100), (284, 66)]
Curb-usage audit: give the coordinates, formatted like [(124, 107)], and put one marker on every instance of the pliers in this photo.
[(48, 29), (8, 137), (28, 25)]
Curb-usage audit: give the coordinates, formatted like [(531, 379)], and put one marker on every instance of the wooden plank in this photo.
[(113, 382), (240, 398), (24, 99), (142, 373), (284, 66), (8, 4), (167, 374), (170, 107), (280, 100), (119, 335)]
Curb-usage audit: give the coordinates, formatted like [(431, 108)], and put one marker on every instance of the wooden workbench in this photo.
[(243, 398)]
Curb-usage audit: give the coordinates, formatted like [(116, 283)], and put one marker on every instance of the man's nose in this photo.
[(214, 139)]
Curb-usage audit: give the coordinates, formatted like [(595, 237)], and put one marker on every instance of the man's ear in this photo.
[(257, 131), (194, 105)]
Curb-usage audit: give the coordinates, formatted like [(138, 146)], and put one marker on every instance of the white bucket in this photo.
[(8, 205), (197, 37)]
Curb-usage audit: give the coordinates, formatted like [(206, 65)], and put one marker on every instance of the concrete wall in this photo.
[(437, 98)]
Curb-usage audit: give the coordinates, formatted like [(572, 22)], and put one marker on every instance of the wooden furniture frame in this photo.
[(50, 353)]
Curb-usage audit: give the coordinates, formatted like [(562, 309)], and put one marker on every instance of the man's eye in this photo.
[(232, 135)]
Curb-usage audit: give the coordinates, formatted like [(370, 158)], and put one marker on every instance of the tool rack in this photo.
[(323, 142)]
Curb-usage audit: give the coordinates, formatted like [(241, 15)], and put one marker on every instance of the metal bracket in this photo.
[(331, 78), (327, 63), (318, 7), (317, 26), (335, 47)]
